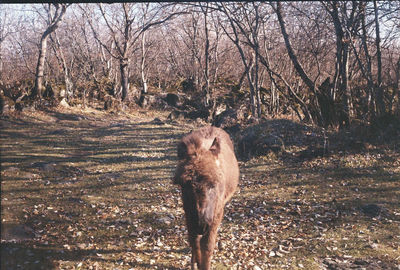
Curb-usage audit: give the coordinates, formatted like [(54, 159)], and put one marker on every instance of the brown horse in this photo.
[(208, 174)]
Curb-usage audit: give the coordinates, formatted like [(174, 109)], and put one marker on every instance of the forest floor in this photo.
[(90, 190)]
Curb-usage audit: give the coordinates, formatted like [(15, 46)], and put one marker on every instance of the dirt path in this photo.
[(85, 190)]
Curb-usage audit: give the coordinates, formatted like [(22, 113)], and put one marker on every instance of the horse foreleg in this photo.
[(196, 251), (207, 242)]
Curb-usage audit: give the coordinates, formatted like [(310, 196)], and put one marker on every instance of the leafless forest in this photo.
[(330, 63)]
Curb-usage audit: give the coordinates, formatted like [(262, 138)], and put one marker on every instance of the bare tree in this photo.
[(277, 80), (299, 68), (293, 57), (55, 13), (5, 31), (250, 66), (345, 26), (366, 72), (191, 28), (126, 31)]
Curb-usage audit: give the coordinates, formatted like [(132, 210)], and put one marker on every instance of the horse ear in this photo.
[(182, 150), (216, 146)]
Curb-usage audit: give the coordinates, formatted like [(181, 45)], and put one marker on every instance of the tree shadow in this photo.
[(32, 255), (55, 165)]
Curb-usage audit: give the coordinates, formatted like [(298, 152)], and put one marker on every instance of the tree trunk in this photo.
[(143, 62), (2, 38), (347, 100), (291, 53), (123, 66), (250, 80), (206, 64), (256, 48), (106, 63), (398, 86), (341, 74), (379, 91), (257, 98), (216, 53), (368, 74), (195, 57), (69, 91), (274, 106), (38, 89)]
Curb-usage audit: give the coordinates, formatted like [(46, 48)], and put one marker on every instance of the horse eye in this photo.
[(199, 179)]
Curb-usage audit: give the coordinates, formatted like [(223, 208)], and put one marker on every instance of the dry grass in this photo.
[(86, 190)]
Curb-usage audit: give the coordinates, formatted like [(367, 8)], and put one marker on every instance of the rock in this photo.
[(220, 108), (165, 220), (7, 105), (228, 118), (272, 253), (127, 221), (24, 107), (81, 246), (173, 100), (146, 100), (203, 114), (188, 85), (372, 246), (64, 103), (253, 143), (176, 114), (151, 101)]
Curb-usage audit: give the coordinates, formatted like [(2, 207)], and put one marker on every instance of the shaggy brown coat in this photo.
[(208, 174)]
